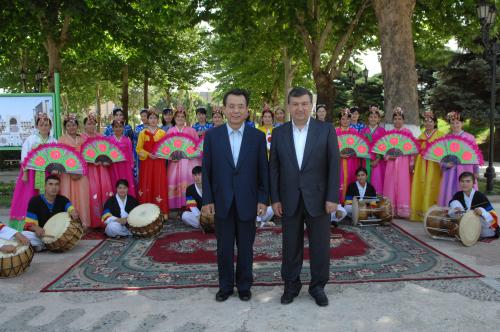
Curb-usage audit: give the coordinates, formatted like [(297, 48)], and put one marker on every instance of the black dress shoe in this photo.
[(288, 297), (245, 295), (320, 298), (222, 296)]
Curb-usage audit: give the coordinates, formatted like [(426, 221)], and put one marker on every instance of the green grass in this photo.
[(482, 186), (6, 192)]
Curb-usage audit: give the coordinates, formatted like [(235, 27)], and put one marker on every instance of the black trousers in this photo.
[(228, 231), (318, 230)]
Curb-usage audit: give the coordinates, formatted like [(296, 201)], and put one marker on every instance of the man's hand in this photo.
[(74, 214), (122, 221), (338, 214), (39, 231), (261, 209), (8, 249), (330, 207), (22, 239), (208, 209), (277, 209), (152, 156), (25, 176), (375, 162), (478, 212)]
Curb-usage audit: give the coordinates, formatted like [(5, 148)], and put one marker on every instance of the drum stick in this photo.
[(49, 236)]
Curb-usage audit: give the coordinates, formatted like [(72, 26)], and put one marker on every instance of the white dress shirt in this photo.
[(235, 139), (299, 140)]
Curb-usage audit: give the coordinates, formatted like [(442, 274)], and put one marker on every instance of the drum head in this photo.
[(143, 215), (56, 226), (20, 248), (355, 211), (470, 229)]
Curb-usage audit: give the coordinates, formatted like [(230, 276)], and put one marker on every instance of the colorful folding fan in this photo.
[(354, 143), (395, 143), (98, 149), (454, 149), (176, 142), (55, 156)]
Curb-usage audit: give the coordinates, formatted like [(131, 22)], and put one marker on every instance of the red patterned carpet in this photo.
[(199, 248)]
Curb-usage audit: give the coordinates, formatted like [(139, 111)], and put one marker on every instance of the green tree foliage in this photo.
[(464, 85)]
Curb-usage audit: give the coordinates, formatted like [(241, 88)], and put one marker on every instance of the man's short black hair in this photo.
[(196, 170), (122, 182), (299, 92), (52, 177), (236, 92), (467, 175), (202, 110), (144, 110)]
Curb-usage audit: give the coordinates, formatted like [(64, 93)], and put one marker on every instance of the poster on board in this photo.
[(17, 117)]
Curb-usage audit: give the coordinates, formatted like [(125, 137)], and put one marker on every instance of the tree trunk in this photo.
[(125, 92), (326, 92), (53, 53), (146, 92), (289, 74), (98, 107), (168, 97), (398, 57)]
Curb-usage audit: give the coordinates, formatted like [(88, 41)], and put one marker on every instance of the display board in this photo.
[(17, 117)]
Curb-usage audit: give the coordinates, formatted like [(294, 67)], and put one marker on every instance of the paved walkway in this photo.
[(465, 305)]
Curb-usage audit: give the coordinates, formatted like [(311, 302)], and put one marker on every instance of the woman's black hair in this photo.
[(65, 122), (38, 120)]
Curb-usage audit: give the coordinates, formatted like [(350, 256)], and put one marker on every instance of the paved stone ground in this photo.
[(455, 305)]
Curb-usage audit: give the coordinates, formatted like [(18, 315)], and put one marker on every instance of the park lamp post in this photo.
[(351, 74), (486, 14), (22, 74), (365, 74), (38, 80)]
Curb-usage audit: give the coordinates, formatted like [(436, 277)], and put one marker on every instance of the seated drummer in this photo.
[(361, 188), (116, 210), (43, 207), (194, 193), (7, 233), (468, 198), (191, 216)]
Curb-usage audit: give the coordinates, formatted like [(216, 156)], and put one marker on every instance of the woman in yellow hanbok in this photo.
[(427, 174)]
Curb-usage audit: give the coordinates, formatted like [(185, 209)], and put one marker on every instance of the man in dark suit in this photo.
[(236, 190), (304, 173)]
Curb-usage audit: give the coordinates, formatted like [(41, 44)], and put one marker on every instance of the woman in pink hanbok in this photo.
[(451, 171), (349, 163), (376, 164), (30, 182), (100, 186), (179, 169), (124, 169), (75, 187), (397, 180)]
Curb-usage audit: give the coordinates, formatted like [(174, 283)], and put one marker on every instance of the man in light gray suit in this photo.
[(304, 181)]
